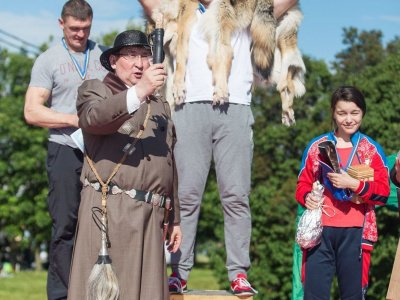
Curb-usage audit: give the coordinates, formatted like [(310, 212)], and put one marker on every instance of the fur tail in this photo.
[(288, 71), (103, 283), (262, 31)]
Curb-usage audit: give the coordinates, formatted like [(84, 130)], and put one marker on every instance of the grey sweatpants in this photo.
[(223, 133)]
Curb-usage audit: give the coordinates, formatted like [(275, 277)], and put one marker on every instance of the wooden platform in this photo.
[(208, 295), (394, 284)]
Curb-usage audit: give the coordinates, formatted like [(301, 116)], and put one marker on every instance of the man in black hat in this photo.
[(129, 139)]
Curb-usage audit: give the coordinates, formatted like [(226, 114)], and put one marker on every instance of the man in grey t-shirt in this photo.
[(50, 102)]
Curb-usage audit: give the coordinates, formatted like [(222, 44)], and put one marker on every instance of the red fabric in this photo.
[(379, 187), (344, 155), (343, 213), (373, 192), (303, 265), (310, 172), (370, 231), (366, 261), (361, 186)]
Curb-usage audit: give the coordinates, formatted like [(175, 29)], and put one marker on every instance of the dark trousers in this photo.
[(64, 166), (339, 253)]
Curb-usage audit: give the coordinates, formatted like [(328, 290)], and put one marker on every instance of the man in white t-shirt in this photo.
[(50, 102), (221, 133)]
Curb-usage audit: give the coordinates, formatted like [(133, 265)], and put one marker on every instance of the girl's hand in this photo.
[(343, 181), (311, 201)]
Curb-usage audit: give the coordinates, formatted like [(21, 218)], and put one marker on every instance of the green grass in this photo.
[(201, 279), (24, 286), (32, 285)]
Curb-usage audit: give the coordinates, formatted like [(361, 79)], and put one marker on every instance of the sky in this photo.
[(320, 34)]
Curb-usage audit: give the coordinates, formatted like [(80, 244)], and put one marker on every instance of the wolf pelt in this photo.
[(275, 55)]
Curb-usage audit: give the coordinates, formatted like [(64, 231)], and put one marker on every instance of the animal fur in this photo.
[(289, 69), (271, 39)]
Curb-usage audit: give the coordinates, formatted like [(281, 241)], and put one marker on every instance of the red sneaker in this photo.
[(176, 285), (241, 287)]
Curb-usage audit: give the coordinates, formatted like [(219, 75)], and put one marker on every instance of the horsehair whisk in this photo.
[(102, 282)]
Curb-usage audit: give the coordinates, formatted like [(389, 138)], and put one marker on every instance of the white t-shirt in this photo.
[(198, 79)]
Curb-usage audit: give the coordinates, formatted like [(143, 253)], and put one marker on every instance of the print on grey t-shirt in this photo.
[(55, 71)]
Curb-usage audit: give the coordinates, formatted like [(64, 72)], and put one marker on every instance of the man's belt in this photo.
[(148, 197)]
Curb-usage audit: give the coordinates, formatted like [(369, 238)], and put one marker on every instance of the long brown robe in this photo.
[(135, 227)]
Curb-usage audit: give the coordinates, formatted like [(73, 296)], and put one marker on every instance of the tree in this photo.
[(23, 211), (108, 38), (363, 49)]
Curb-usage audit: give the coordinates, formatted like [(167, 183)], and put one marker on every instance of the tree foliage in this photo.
[(23, 210), (363, 49)]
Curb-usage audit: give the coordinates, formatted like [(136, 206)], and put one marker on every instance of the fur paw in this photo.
[(179, 93), (220, 96), (288, 118)]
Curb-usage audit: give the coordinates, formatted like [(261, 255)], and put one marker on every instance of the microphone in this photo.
[(158, 41)]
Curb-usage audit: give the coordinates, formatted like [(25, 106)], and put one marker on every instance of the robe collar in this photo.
[(115, 84)]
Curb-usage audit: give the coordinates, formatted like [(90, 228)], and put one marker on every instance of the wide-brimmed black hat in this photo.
[(126, 38)]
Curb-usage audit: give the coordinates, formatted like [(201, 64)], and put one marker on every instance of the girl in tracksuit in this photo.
[(349, 227)]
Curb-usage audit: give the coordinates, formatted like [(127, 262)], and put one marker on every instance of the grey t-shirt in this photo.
[(54, 70)]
